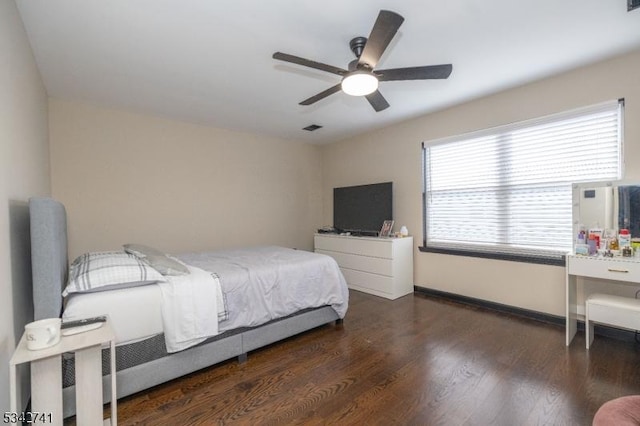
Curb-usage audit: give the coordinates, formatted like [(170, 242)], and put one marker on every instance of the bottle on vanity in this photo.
[(624, 239)]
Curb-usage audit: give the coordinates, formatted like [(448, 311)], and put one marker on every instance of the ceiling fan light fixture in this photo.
[(359, 83)]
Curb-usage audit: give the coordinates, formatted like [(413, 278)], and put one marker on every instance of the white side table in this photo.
[(46, 376)]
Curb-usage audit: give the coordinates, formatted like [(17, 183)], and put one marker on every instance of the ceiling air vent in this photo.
[(632, 4), (312, 127)]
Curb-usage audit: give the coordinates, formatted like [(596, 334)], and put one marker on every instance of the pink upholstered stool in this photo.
[(623, 411)]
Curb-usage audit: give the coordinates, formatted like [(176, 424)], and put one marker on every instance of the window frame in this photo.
[(527, 257)]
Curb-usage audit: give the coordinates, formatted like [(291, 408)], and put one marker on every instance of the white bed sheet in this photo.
[(190, 306), (135, 313)]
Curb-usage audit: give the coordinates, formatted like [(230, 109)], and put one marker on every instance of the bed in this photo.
[(145, 357)]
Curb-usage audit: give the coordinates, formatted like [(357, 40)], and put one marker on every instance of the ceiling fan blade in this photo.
[(381, 35), (415, 73), (321, 95), (308, 63), (377, 101)]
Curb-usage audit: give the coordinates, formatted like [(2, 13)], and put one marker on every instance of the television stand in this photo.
[(381, 266)]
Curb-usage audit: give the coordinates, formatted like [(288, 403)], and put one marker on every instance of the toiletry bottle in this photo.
[(597, 235), (592, 245), (624, 238)]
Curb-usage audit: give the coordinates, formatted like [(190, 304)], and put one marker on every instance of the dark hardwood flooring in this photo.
[(418, 360)]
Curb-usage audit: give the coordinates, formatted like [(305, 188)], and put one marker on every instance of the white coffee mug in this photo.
[(42, 334)]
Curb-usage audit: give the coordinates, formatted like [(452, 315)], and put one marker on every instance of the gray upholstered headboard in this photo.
[(49, 256)]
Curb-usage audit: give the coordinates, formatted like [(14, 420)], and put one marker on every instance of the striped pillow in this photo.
[(98, 271)]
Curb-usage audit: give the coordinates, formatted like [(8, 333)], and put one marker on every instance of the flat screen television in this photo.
[(362, 209)]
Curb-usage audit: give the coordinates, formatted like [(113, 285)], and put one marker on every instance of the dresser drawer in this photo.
[(604, 268), (365, 281), (374, 265), (362, 246)]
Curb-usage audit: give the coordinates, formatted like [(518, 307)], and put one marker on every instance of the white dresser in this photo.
[(379, 266)]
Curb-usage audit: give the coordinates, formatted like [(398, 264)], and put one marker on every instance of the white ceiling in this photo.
[(209, 61)]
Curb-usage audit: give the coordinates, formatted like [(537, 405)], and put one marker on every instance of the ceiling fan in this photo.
[(361, 78)]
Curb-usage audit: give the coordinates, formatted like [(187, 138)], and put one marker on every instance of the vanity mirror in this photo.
[(607, 206)]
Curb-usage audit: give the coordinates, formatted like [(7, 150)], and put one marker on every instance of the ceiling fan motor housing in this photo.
[(357, 45)]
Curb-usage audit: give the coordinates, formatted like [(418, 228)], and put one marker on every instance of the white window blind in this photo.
[(508, 189)]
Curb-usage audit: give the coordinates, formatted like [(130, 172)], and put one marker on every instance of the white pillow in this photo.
[(161, 262), (166, 265), (98, 271), (141, 250)]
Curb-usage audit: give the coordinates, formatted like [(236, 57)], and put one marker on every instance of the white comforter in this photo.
[(264, 283)]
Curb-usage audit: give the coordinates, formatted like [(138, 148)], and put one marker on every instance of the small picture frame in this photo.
[(386, 228)]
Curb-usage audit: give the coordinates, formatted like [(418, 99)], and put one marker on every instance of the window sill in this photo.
[(554, 261)]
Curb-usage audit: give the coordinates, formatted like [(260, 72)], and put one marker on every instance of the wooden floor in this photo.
[(414, 361)]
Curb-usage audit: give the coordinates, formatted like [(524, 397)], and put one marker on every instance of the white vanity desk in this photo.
[(619, 269), (609, 205)]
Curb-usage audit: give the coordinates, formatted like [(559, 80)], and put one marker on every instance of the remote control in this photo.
[(81, 328), (82, 322)]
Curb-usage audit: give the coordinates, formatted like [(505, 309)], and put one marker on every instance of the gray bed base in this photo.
[(149, 374), (49, 258)]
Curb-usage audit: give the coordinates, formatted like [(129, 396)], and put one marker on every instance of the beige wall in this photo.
[(394, 154), (126, 177), (24, 165)]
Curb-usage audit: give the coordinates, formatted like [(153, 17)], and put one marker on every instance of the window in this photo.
[(506, 192)]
